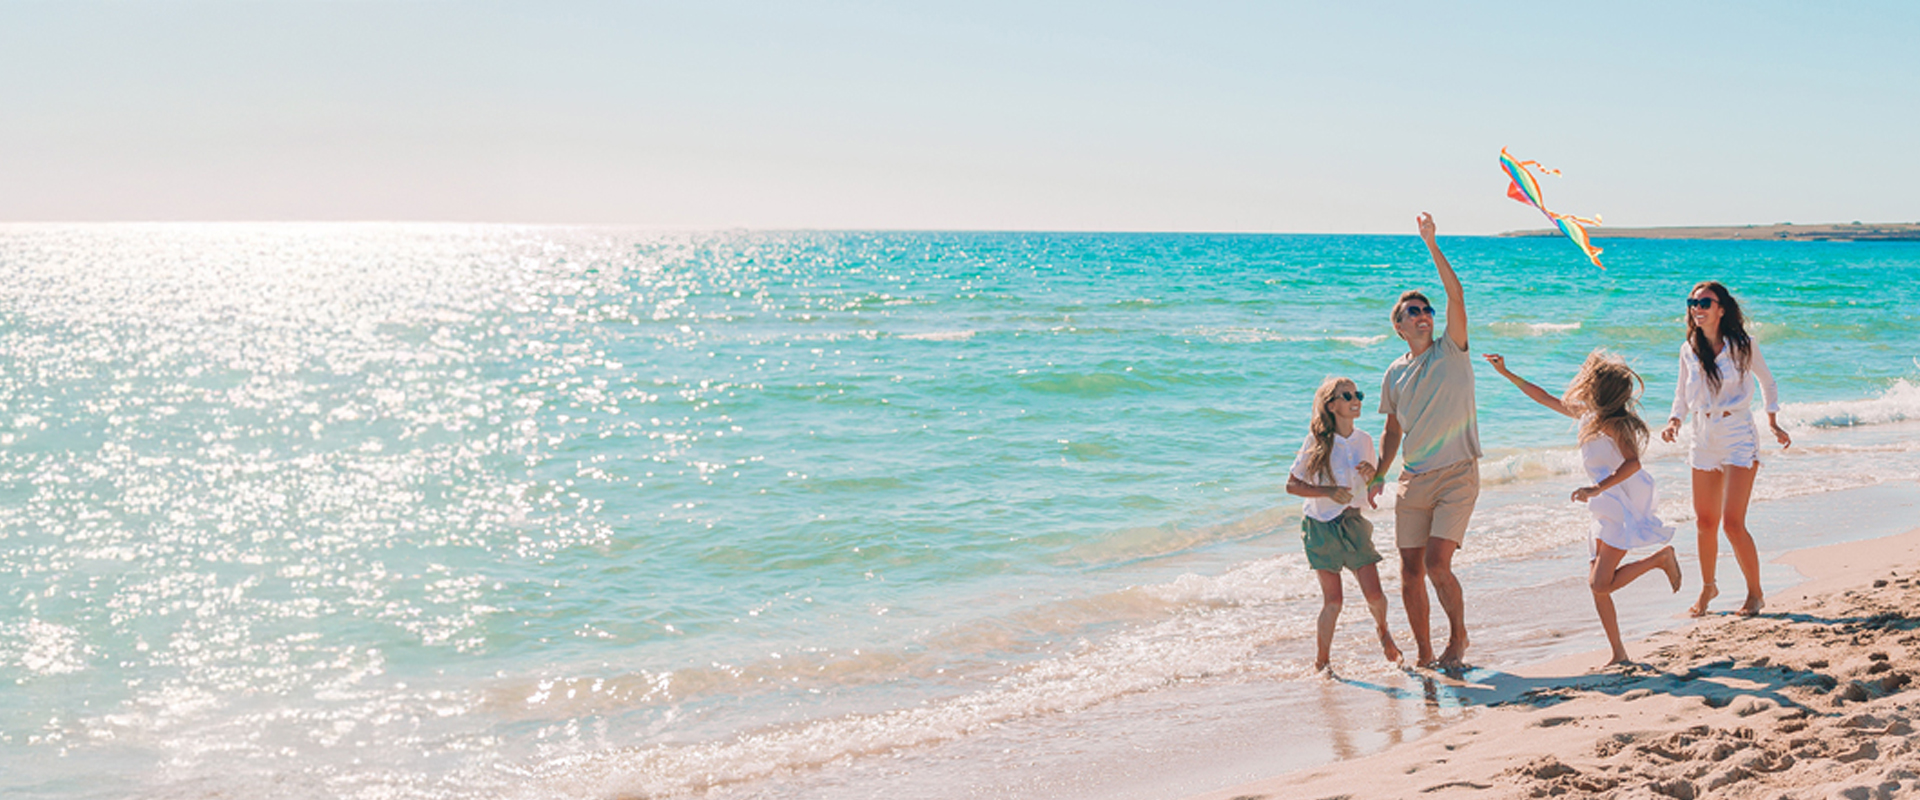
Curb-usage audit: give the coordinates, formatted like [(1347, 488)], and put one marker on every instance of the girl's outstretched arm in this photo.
[(1538, 394)]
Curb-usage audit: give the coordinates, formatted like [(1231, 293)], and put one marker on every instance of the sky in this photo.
[(1304, 117)]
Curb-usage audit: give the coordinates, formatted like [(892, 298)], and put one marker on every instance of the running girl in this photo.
[(1622, 495)]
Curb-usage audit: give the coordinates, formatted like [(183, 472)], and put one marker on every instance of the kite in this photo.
[(1527, 190)]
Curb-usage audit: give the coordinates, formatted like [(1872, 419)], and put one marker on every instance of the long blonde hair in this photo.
[(1607, 391), (1323, 428)]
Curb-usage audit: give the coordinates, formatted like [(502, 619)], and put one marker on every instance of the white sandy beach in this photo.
[(1812, 699)]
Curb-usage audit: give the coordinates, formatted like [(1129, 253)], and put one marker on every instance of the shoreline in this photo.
[(1780, 232), (1812, 697)]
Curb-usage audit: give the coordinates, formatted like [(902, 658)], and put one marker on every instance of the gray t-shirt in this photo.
[(1432, 395)]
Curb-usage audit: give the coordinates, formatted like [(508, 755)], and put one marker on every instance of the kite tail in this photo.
[(1573, 227)]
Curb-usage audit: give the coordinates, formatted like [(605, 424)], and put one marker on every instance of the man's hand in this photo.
[(1426, 226), (1373, 494)]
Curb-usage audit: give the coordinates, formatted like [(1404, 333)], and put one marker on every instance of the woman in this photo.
[(1718, 366)]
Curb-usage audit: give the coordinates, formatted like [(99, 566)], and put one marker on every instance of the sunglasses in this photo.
[(1352, 395), (1418, 311), (1699, 302)]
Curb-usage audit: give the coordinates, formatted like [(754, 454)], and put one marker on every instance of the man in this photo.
[(1427, 397)]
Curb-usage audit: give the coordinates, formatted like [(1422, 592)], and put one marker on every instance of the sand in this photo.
[(1814, 698)]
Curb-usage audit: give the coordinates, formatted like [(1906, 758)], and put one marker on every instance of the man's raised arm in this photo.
[(1456, 296)]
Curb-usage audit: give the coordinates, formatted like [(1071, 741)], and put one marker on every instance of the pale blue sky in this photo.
[(1302, 117)]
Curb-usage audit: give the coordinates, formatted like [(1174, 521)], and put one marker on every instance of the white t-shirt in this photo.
[(1348, 453)]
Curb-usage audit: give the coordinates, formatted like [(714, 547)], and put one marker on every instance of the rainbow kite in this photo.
[(1527, 190)]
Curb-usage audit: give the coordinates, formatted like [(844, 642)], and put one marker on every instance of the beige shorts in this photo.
[(1436, 503)]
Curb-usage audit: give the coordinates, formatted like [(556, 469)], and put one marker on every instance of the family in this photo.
[(1427, 397)]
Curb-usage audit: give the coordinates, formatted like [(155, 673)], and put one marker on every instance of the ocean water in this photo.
[(393, 511)]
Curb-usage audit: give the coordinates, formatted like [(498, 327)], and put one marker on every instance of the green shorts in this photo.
[(1344, 543)]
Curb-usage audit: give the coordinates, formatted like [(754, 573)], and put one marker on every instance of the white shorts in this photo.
[(1722, 439)]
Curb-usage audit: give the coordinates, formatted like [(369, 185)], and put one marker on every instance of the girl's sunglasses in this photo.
[(1352, 395), (1699, 302)]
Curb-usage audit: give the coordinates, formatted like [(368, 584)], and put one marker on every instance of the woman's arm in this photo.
[(1771, 393), (1539, 395), (1680, 391)]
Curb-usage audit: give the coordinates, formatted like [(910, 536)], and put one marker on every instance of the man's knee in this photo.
[(1438, 560), (1413, 564)]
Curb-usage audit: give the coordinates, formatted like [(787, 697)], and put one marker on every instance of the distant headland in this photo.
[(1785, 231)]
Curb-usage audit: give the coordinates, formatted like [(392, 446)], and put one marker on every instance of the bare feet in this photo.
[(1753, 605), (1707, 593), (1389, 649), (1670, 564), (1454, 657), (1322, 666)]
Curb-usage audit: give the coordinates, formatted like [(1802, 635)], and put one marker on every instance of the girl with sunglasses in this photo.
[(1331, 471), (1719, 364), (1622, 496)]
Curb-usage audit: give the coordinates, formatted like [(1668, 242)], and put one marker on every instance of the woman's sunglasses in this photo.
[(1352, 395), (1699, 302)]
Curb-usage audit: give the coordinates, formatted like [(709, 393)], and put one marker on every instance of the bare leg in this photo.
[(1603, 577), (1616, 576), (1413, 593), (1439, 562), (1369, 578), (1330, 601), (1608, 575), (1739, 493), (1707, 492)]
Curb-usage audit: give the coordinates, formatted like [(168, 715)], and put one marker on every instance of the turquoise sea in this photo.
[(442, 511)]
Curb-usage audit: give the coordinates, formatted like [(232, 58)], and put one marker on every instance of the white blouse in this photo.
[(1736, 388)]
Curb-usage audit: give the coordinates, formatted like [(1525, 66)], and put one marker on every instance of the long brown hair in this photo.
[(1733, 331), (1608, 392), (1320, 455)]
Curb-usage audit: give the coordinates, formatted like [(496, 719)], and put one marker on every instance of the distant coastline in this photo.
[(1787, 231)]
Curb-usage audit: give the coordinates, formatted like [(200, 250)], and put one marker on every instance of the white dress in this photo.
[(1623, 516)]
